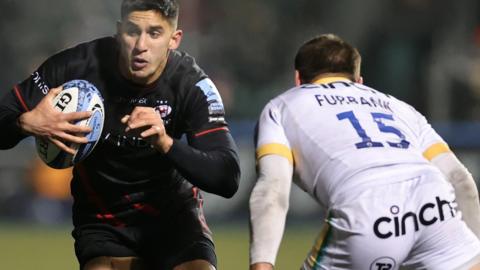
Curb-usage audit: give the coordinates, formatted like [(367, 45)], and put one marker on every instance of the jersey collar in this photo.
[(331, 79)]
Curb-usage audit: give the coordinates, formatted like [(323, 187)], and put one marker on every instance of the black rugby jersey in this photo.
[(124, 177)]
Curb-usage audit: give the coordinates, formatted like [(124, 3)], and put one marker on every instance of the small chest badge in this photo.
[(163, 110)]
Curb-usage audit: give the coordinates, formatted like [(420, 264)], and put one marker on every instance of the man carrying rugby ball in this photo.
[(137, 203)]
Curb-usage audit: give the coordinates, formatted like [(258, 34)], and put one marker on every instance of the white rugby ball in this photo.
[(76, 96)]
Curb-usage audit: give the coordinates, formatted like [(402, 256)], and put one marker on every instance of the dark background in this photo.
[(424, 52)]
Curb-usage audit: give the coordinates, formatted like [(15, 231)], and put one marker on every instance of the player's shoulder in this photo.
[(402, 108), (182, 69), (83, 54), (281, 99), (274, 107), (93, 48), (397, 104)]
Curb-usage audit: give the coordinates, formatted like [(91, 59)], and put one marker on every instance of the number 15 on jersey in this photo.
[(367, 141)]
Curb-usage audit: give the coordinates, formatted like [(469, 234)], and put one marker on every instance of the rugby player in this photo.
[(383, 176), (137, 203)]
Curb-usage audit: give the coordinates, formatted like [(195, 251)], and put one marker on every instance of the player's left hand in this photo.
[(150, 120)]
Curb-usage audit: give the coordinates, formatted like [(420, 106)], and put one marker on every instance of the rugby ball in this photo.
[(76, 96)]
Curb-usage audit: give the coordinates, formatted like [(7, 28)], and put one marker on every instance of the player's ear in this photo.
[(298, 82), (175, 39), (359, 80), (119, 29)]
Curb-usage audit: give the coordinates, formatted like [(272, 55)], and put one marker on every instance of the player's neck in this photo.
[(331, 77)]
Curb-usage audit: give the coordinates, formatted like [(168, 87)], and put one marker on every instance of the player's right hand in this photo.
[(45, 121)]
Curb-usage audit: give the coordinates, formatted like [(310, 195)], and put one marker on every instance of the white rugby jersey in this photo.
[(339, 134)]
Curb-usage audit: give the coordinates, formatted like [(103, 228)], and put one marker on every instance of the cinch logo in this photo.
[(429, 214)]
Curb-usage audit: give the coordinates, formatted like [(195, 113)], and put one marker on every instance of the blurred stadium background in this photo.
[(426, 52)]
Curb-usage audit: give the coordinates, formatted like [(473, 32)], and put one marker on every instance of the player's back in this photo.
[(344, 135)]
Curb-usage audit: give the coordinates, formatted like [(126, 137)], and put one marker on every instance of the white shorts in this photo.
[(410, 223)]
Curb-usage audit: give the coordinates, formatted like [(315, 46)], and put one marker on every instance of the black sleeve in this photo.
[(210, 159), (22, 98), (9, 112), (210, 162), (27, 94)]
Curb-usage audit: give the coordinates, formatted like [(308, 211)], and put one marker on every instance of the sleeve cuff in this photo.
[(177, 151)]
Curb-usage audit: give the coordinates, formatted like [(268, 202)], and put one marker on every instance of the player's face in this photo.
[(145, 38)]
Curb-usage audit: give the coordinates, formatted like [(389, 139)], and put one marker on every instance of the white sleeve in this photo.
[(466, 192), (268, 207), (429, 142), (428, 136), (271, 138)]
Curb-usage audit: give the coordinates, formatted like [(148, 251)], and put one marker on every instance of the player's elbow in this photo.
[(232, 183), (228, 193), (464, 183), (233, 175), (223, 181)]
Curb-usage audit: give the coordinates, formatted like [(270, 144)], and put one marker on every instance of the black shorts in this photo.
[(162, 243)]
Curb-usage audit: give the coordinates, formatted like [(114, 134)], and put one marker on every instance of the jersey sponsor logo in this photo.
[(341, 84), (37, 79), (215, 104), (139, 101), (131, 101), (161, 106), (216, 119), (126, 141), (429, 213), (383, 263)]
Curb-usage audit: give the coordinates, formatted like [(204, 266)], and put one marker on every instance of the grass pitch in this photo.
[(24, 247)]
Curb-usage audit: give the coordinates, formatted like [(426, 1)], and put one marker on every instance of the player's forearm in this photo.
[(267, 223), (466, 194), (11, 133), (268, 209), (466, 191), (213, 168)]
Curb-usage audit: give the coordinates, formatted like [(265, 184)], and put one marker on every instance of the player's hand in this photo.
[(261, 266), (45, 121), (150, 120)]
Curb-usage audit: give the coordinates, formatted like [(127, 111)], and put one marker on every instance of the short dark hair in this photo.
[(327, 53), (168, 8)]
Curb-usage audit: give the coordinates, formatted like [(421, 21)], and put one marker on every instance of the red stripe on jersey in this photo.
[(195, 192), (106, 216), (20, 98), (96, 199), (201, 216), (146, 208), (210, 131)]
